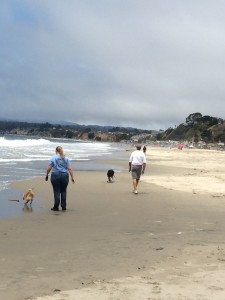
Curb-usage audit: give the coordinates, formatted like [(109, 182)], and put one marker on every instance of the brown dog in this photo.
[(28, 196)]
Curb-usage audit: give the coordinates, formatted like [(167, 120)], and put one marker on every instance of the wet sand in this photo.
[(164, 243)]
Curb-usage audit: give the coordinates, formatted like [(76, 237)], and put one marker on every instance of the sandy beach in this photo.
[(166, 243)]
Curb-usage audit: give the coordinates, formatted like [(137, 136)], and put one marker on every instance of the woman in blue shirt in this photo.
[(60, 167)]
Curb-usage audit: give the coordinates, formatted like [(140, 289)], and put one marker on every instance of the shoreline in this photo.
[(162, 244), (95, 164)]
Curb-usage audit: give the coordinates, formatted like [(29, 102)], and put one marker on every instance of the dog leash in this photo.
[(16, 200), (37, 184)]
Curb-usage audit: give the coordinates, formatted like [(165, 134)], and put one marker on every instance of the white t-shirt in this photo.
[(137, 158)]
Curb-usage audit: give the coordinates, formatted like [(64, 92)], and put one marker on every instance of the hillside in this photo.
[(195, 129), (73, 131)]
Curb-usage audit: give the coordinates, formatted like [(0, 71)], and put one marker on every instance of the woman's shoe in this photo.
[(54, 209)]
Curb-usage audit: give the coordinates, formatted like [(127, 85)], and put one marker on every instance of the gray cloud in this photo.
[(142, 63)]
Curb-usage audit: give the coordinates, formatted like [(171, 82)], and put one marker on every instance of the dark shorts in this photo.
[(136, 172)]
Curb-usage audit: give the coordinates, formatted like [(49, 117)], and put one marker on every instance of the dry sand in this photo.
[(204, 170), (166, 243)]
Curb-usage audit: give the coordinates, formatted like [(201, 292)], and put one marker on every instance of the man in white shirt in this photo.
[(137, 165)]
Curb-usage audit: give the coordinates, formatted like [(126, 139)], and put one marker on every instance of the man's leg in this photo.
[(135, 180), (135, 183)]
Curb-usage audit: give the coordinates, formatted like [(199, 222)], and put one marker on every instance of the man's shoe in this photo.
[(63, 208), (54, 209)]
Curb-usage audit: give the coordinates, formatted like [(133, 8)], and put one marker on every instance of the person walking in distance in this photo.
[(137, 165), (60, 166)]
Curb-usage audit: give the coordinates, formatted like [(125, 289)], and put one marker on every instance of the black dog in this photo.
[(110, 175)]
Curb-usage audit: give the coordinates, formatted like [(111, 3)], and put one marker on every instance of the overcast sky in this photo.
[(140, 63)]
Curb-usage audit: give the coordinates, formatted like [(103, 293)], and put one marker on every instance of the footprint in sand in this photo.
[(156, 289)]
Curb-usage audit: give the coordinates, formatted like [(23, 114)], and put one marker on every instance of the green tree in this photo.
[(91, 135), (193, 119), (206, 136), (69, 134)]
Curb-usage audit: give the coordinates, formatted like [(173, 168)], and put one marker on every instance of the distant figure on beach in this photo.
[(144, 149), (180, 146), (28, 196), (137, 165), (60, 167)]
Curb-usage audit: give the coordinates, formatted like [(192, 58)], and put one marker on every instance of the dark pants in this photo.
[(59, 183)]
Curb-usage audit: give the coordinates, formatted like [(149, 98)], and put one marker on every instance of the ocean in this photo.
[(23, 157)]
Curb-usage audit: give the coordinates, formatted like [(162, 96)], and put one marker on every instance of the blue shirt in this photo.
[(59, 164)]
